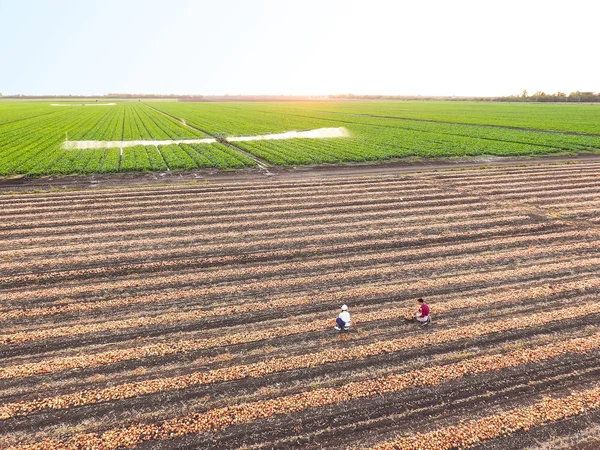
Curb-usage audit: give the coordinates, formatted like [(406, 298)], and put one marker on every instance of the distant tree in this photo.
[(541, 96), (588, 97), (561, 96)]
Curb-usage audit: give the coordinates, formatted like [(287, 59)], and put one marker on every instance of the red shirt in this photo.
[(424, 310)]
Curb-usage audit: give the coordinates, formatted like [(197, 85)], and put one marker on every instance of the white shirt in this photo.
[(345, 316)]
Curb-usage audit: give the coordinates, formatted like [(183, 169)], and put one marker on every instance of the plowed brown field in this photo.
[(201, 316)]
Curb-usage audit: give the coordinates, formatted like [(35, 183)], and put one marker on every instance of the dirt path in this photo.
[(23, 183)]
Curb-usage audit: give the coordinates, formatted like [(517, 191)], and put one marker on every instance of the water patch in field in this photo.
[(319, 133), (310, 134), (82, 104), (82, 145)]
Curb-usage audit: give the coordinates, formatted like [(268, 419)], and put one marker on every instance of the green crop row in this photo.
[(556, 117), (32, 133)]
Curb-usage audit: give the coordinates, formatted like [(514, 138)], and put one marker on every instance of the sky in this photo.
[(306, 47)]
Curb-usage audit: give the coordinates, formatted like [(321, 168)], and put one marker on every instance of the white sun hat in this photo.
[(344, 307)]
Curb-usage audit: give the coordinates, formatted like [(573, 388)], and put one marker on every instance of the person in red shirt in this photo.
[(422, 315)]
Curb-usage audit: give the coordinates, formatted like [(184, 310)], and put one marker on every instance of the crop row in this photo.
[(30, 232), (557, 117), (189, 260), (33, 145), (175, 316), (226, 226), (83, 360), (431, 118), (187, 284), (170, 196), (519, 171), (225, 203), (219, 419), (241, 210), (476, 432), (386, 139), (159, 126), (181, 246), (161, 337), (108, 127), (405, 188), (431, 375), (204, 243), (264, 213), (306, 361), (261, 272), (193, 244), (549, 186), (27, 147), (253, 189), (165, 281), (372, 138), (162, 227), (490, 178), (199, 198), (17, 112), (61, 161), (272, 223)]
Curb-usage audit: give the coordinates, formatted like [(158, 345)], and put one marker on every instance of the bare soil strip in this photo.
[(194, 315), (200, 316)]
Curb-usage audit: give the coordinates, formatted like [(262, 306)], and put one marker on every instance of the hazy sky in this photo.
[(449, 47)]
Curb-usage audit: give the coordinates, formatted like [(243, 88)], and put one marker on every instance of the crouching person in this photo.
[(422, 315), (343, 320)]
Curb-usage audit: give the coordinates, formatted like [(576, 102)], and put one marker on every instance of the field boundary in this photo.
[(406, 166)]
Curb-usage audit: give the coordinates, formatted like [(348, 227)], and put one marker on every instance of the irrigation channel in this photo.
[(319, 133)]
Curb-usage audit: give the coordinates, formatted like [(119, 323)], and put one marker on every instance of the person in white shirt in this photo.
[(343, 320)]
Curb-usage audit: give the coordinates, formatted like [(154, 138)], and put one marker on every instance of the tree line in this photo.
[(540, 96)]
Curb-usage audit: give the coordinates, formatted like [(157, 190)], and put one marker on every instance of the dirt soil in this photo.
[(207, 299), (24, 183)]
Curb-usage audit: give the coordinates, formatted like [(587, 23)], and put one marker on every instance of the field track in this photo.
[(201, 315)]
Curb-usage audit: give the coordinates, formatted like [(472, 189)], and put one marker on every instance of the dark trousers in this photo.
[(340, 323)]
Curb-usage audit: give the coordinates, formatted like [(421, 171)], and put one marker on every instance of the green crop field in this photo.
[(33, 134)]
